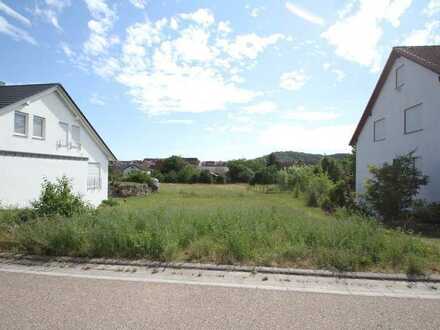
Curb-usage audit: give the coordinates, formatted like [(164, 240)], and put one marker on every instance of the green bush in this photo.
[(138, 177), (267, 175), (110, 202), (332, 168), (317, 190), (205, 177), (170, 177), (425, 212), (172, 164), (341, 195), (188, 174), (58, 199), (392, 188), (157, 175), (240, 172), (220, 179)]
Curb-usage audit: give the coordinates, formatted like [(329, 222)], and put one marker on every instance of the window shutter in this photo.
[(94, 176), (76, 136)]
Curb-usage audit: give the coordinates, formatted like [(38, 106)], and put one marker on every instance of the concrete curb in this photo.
[(228, 268)]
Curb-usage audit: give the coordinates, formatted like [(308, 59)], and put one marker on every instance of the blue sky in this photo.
[(213, 79)]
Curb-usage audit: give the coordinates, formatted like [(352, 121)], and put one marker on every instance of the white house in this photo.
[(216, 167), (43, 134), (134, 168), (402, 115)]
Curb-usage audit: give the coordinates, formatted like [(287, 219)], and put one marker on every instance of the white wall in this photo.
[(421, 86), (21, 177), (21, 182)]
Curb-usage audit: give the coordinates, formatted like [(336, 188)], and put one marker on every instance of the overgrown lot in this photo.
[(223, 224)]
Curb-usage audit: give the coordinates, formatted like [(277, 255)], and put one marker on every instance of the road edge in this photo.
[(14, 257)]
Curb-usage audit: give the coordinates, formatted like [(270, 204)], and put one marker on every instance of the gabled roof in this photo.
[(426, 56), (13, 94)]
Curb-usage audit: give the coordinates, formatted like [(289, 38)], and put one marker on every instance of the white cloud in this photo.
[(321, 139), (15, 32), (293, 80), (101, 24), (96, 100), (50, 10), (261, 108), (249, 46), (304, 14), (340, 75), (301, 114), (433, 8), (236, 123), (186, 63), (193, 45), (12, 13), (106, 67), (177, 121), (185, 90), (202, 16), (428, 35), (224, 27), (348, 7), (67, 50), (255, 12), (141, 4), (357, 35)]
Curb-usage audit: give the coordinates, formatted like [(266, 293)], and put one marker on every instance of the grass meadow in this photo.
[(225, 224)]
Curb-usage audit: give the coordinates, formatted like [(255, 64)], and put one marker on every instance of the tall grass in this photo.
[(237, 233)]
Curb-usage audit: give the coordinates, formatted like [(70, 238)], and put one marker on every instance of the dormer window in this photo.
[(400, 70), (20, 123)]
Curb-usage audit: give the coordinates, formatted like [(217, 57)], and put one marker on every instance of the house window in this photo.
[(400, 76), (379, 130), (20, 123), (64, 140), (39, 127), (413, 119), (76, 137), (94, 176)]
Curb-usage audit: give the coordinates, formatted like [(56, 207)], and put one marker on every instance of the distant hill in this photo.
[(306, 158)]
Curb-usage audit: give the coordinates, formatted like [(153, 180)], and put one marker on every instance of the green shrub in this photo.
[(172, 164), (240, 172), (157, 175), (392, 188), (267, 175), (220, 179), (341, 195), (170, 177), (58, 199), (425, 212), (332, 168), (318, 189), (110, 202), (138, 177), (205, 177), (187, 174)]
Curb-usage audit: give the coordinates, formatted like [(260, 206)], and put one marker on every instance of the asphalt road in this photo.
[(39, 301)]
